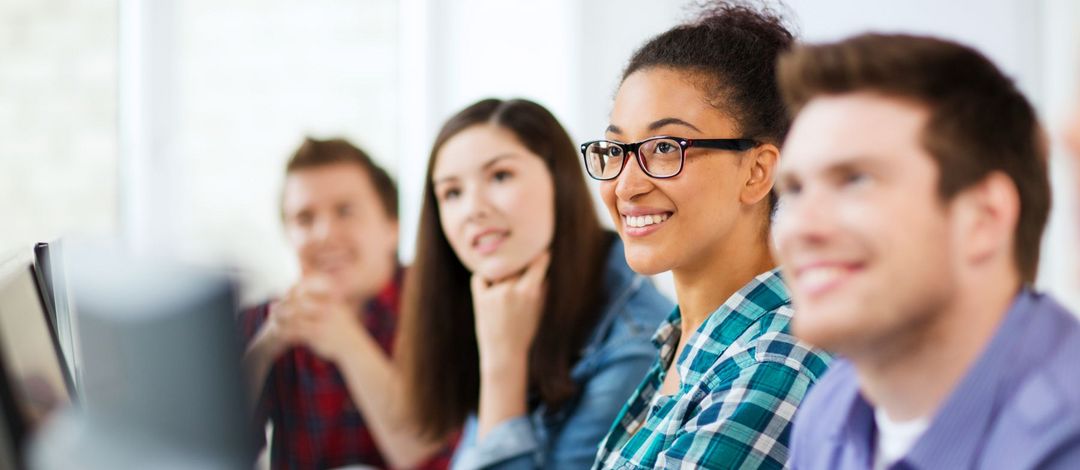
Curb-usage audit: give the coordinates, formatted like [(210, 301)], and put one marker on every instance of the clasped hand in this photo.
[(316, 315)]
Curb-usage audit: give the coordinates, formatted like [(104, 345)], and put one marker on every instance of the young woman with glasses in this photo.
[(521, 320), (687, 167)]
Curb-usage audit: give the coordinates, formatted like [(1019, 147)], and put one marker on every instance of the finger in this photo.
[(282, 311), (287, 316), (317, 288), (285, 306), (276, 309), (289, 333), (536, 271), (292, 293), (302, 328), (478, 284), (311, 309)]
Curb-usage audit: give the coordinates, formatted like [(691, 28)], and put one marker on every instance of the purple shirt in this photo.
[(1017, 407)]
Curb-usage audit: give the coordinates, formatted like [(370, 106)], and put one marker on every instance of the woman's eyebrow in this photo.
[(668, 121), (671, 121), (491, 161)]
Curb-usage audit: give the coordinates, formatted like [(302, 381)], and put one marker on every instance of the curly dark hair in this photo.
[(731, 48)]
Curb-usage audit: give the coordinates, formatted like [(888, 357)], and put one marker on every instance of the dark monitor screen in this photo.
[(33, 371)]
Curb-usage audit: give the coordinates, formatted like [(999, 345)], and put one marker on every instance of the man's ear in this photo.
[(763, 161), (987, 215)]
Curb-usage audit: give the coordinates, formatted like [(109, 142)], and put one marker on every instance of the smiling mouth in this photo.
[(642, 221), (489, 242), (817, 280), (333, 261)]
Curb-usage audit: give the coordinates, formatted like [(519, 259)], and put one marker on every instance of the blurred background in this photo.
[(167, 123)]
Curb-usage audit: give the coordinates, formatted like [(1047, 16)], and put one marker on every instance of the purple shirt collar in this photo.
[(955, 436)]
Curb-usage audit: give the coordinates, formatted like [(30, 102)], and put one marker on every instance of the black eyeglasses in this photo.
[(660, 157)]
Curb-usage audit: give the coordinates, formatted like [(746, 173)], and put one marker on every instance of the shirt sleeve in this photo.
[(250, 321), (516, 444), (744, 426), (576, 444), (260, 413), (510, 445)]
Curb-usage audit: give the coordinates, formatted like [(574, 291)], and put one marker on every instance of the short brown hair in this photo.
[(979, 121), (438, 334), (314, 153)]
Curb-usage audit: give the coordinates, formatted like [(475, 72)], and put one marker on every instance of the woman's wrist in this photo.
[(503, 386), (502, 365)]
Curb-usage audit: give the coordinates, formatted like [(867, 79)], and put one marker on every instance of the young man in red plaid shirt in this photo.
[(305, 351)]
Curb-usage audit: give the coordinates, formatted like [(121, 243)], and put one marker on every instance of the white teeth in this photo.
[(644, 220), (489, 238), (815, 278)]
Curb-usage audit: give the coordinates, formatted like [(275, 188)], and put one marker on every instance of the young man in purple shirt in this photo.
[(914, 193)]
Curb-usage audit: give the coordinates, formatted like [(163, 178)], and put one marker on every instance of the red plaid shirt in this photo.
[(316, 424)]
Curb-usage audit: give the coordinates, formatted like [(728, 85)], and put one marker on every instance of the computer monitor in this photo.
[(43, 270), (51, 277), (162, 379), (36, 379)]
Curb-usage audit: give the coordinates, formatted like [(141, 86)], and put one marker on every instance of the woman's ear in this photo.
[(762, 161)]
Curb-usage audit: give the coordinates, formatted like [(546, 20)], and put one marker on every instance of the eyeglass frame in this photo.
[(738, 145)]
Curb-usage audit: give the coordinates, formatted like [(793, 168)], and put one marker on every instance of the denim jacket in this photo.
[(613, 361)]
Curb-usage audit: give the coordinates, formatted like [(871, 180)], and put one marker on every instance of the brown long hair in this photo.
[(438, 343)]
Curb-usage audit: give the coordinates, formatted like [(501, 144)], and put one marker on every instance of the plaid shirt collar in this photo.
[(764, 293), (739, 420)]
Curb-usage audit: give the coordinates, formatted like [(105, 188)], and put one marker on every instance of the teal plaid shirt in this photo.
[(742, 377)]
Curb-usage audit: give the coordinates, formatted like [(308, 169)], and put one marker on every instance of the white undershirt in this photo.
[(894, 439)]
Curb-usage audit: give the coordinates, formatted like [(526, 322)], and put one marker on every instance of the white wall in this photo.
[(215, 94), (1060, 41), (58, 162)]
